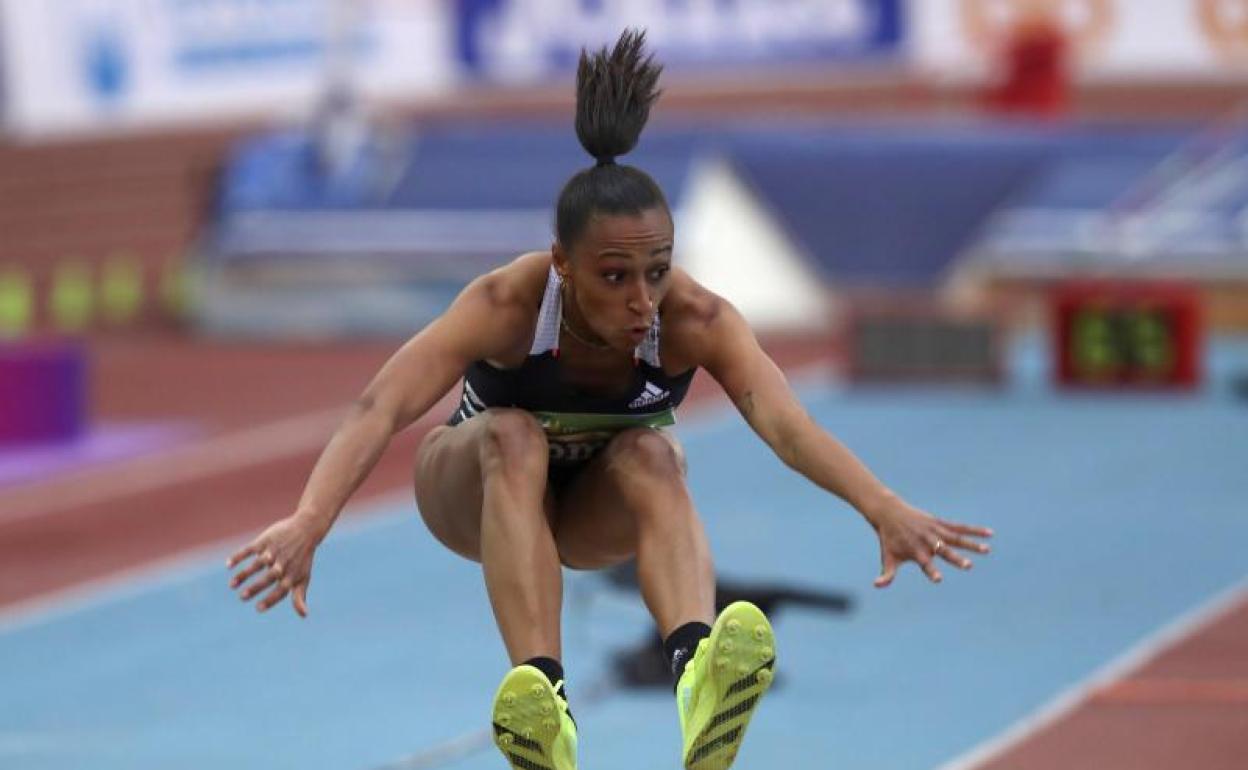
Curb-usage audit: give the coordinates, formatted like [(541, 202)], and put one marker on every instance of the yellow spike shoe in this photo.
[(531, 723), (722, 685)]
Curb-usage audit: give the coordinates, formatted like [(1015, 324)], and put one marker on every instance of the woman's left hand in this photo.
[(909, 534)]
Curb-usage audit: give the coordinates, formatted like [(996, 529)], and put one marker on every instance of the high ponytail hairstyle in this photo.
[(614, 91)]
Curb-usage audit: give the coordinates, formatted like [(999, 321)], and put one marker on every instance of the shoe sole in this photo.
[(742, 648), (526, 719)]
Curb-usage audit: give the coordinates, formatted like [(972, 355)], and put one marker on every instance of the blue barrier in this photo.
[(868, 205)]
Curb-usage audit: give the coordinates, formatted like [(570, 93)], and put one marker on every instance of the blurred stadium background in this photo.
[(1017, 227)]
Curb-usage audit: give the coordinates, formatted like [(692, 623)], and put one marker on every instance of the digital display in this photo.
[(917, 340), (1126, 334)]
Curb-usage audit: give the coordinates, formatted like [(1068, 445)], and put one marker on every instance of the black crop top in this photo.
[(577, 424)]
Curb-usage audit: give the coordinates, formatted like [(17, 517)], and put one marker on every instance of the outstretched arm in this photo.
[(477, 325), (480, 323), (732, 355)]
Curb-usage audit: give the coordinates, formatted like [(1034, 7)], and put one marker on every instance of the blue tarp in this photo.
[(884, 205)]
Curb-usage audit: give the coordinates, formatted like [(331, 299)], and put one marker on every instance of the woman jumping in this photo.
[(573, 361)]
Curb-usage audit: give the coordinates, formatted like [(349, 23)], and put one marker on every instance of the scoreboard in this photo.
[(913, 338), (1126, 334)]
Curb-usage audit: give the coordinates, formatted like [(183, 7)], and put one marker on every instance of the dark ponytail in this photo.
[(614, 92)]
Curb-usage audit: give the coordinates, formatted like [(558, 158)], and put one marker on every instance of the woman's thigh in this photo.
[(450, 486), (596, 518)]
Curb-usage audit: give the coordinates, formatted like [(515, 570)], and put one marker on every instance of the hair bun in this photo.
[(614, 92)]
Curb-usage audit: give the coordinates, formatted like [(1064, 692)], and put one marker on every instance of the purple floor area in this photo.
[(103, 443)]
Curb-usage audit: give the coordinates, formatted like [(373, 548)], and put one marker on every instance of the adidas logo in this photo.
[(651, 395), (678, 657)]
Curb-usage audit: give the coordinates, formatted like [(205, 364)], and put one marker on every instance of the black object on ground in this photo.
[(643, 665)]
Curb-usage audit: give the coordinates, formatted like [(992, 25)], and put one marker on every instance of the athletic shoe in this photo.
[(531, 723), (721, 685)]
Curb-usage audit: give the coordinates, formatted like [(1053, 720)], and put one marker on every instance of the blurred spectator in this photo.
[(1033, 47), (1225, 25), (340, 130), (1034, 64)]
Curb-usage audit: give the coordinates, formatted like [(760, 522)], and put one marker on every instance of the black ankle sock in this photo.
[(679, 647), (553, 670)]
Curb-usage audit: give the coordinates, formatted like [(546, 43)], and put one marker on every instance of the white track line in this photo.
[(211, 457), (276, 440), (175, 568), (1142, 652), (174, 466), (476, 741)]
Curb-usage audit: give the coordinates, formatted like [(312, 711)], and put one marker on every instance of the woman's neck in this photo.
[(574, 325)]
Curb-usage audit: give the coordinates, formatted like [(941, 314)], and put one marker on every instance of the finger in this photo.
[(244, 575), (929, 568), (273, 597), (967, 529), (888, 570), (259, 585), (300, 599), (966, 544), (953, 557), (239, 555)]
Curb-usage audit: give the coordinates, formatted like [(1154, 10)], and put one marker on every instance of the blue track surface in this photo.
[(1113, 515)]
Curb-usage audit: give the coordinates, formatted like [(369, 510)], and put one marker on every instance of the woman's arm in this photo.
[(731, 354), (480, 323), (487, 319), (761, 393)]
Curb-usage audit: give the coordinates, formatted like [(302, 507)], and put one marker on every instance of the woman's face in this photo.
[(617, 274)]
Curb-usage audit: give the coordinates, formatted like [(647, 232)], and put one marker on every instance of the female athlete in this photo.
[(573, 361)]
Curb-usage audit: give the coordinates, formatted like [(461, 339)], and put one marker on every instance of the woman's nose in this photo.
[(641, 303)]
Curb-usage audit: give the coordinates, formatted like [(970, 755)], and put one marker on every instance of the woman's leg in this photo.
[(481, 489), (632, 499)]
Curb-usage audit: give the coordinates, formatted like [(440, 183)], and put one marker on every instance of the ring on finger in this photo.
[(938, 545)]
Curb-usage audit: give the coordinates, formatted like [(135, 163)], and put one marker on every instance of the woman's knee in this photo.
[(513, 443), (646, 452)]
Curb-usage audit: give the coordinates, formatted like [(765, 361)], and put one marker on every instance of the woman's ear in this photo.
[(562, 267)]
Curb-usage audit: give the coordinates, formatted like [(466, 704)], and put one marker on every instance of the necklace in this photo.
[(563, 323)]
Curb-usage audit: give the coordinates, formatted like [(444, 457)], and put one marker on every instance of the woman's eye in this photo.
[(613, 277), (657, 274)]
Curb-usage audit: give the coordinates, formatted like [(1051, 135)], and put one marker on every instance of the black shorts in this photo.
[(559, 476)]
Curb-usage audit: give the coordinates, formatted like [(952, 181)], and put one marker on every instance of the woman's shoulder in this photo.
[(690, 311), (519, 284), (507, 301), (689, 305)]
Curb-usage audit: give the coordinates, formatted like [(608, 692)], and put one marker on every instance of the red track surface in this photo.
[(1188, 708), (226, 388)]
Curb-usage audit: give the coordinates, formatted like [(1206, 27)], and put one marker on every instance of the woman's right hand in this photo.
[(281, 557)]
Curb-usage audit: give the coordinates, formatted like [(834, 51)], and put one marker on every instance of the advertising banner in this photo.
[(91, 64), (1108, 39), (515, 40)]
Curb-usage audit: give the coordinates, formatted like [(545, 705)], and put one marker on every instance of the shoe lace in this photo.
[(699, 652), (691, 666), (563, 703)]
